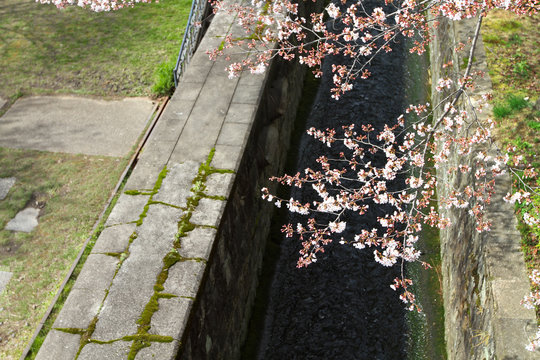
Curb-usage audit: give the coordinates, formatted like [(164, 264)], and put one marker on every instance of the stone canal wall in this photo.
[(484, 276)]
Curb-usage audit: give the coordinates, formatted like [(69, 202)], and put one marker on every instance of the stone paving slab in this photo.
[(227, 157), (74, 124), (79, 309), (25, 221), (248, 94), (188, 91), (198, 243), (171, 318), (516, 331), (130, 292), (233, 134), (172, 121), (184, 278), (5, 186), (156, 152), (143, 177), (507, 292), (159, 351), (114, 239), (157, 233), (175, 188), (118, 350), (219, 184), (208, 212), (97, 273), (241, 113), (128, 208), (5, 276), (60, 346), (204, 124), (134, 283)]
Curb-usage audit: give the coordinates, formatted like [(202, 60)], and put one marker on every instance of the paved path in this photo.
[(75, 124)]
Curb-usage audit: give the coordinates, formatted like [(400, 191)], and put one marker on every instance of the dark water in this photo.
[(340, 307)]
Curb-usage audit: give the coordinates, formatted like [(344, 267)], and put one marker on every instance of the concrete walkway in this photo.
[(134, 294), (74, 124)]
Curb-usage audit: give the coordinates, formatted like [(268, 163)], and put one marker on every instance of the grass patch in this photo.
[(71, 191), (501, 111), (514, 65), (163, 79), (510, 105), (45, 50)]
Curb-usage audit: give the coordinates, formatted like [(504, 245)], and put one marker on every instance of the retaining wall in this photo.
[(484, 276)]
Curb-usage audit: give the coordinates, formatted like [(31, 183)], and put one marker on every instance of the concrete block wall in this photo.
[(484, 276)]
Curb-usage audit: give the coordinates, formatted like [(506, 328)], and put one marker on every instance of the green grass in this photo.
[(521, 68), (47, 50), (510, 105), (514, 65), (515, 39), (164, 82), (71, 191)]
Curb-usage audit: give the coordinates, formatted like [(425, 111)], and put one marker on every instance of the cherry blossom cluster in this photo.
[(344, 28), (95, 5)]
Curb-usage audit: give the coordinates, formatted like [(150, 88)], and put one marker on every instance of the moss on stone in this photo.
[(215, 197), (114, 254), (142, 339), (74, 331), (165, 204), (170, 259), (86, 335), (156, 188), (136, 192)]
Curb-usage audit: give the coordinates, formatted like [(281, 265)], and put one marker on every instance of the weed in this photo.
[(163, 79), (516, 102), (507, 25), (521, 144), (521, 68), (511, 104), (515, 39), (501, 111), (533, 124), (493, 39)]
